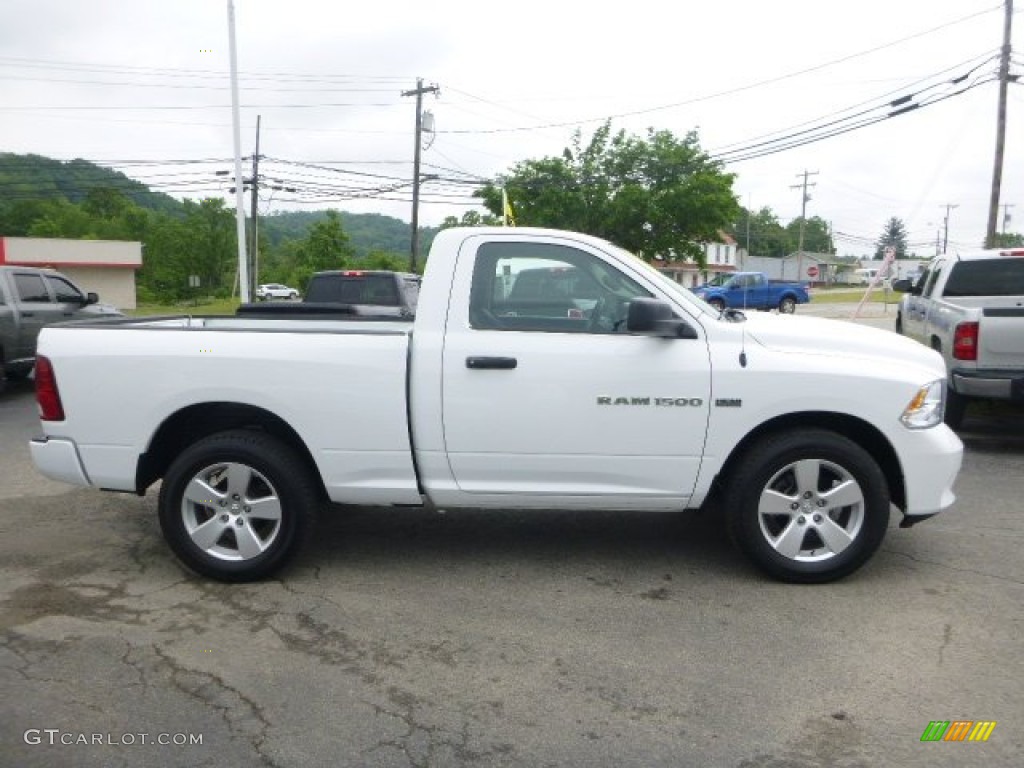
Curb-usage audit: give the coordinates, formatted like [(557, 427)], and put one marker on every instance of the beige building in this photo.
[(106, 267)]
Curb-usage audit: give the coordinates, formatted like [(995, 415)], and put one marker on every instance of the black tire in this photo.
[(899, 323), (242, 470), (956, 409), (790, 544), (787, 306), (718, 304), (293, 296)]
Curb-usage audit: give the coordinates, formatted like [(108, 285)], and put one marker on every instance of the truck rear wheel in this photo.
[(787, 305), (236, 506), (808, 506), (956, 409)]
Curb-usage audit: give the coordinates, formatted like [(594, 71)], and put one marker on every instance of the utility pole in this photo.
[(254, 249), (945, 226), (804, 199), (997, 170), (418, 92), (243, 261), (1006, 215)]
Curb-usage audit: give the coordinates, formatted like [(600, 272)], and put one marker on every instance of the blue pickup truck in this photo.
[(752, 290)]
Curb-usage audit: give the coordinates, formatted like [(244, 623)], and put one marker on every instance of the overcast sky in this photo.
[(144, 86)]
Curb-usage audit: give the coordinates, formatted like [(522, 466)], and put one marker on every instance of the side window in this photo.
[(30, 288), (64, 291), (932, 279), (552, 288)]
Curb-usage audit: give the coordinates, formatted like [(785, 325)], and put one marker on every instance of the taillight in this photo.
[(47, 396), (965, 341)]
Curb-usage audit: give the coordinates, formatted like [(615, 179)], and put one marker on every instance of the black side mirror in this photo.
[(903, 286), (90, 298), (653, 317)]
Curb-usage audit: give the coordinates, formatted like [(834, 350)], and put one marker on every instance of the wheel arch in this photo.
[(853, 428), (186, 426)]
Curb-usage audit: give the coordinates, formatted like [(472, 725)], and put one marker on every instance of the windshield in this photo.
[(719, 280)]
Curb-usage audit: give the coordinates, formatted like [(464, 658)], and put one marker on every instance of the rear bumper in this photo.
[(58, 459), (998, 385), (931, 462)]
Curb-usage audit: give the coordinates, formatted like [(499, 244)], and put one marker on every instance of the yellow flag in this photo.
[(508, 217)]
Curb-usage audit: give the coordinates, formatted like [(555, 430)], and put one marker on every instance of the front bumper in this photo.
[(931, 460), (998, 385), (58, 459)]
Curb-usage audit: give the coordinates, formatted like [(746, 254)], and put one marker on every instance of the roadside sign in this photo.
[(812, 271)]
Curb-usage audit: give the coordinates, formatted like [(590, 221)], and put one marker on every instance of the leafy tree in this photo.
[(767, 237), (894, 235), (471, 219), (325, 247), (657, 196), (1008, 240), (817, 238)]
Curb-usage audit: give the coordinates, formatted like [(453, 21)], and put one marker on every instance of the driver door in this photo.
[(547, 398)]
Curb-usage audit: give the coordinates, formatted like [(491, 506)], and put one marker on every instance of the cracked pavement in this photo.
[(405, 638)]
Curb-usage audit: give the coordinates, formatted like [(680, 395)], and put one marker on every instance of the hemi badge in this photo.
[(729, 402)]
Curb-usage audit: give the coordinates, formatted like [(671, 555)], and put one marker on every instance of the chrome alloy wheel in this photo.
[(231, 511), (811, 510)]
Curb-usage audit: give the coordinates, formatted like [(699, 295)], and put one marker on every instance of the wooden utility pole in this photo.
[(945, 226), (997, 170), (418, 92), (804, 198)]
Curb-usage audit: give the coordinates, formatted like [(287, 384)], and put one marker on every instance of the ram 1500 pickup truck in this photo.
[(752, 290), (611, 388), (970, 308)]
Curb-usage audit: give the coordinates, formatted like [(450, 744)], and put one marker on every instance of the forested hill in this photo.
[(367, 232), (28, 180), (34, 177)]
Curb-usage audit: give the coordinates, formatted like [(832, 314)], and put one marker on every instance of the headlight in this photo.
[(925, 410)]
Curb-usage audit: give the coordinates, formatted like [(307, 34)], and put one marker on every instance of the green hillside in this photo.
[(34, 177)]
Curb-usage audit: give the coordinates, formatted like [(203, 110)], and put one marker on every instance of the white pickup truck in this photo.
[(970, 308), (606, 386)]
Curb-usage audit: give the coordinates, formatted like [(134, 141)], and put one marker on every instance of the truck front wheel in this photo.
[(236, 506), (808, 506), (788, 305)]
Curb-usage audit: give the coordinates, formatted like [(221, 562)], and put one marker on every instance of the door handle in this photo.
[(28, 314), (498, 363)]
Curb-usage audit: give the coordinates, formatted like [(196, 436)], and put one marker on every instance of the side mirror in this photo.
[(90, 298), (903, 286), (653, 317)]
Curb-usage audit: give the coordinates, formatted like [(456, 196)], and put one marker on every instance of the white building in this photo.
[(720, 258), (106, 267)]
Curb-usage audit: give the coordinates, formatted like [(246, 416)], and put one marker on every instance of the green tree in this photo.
[(471, 219), (325, 247), (767, 237), (1008, 240), (657, 196), (894, 235), (817, 238)]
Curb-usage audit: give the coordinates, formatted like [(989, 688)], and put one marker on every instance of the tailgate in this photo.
[(1001, 342)]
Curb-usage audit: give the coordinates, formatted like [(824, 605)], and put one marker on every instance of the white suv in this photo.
[(276, 291)]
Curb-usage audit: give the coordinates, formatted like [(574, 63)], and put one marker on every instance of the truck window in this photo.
[(990, 277), (552, 288), (30, 288), (64, 291), (932, 279)]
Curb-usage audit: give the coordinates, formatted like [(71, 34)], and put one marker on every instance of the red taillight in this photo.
[(965, 341), (353, 273), (50, 407)]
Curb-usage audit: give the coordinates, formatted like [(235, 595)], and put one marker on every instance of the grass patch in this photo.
[(847, 295), (204, 306)]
